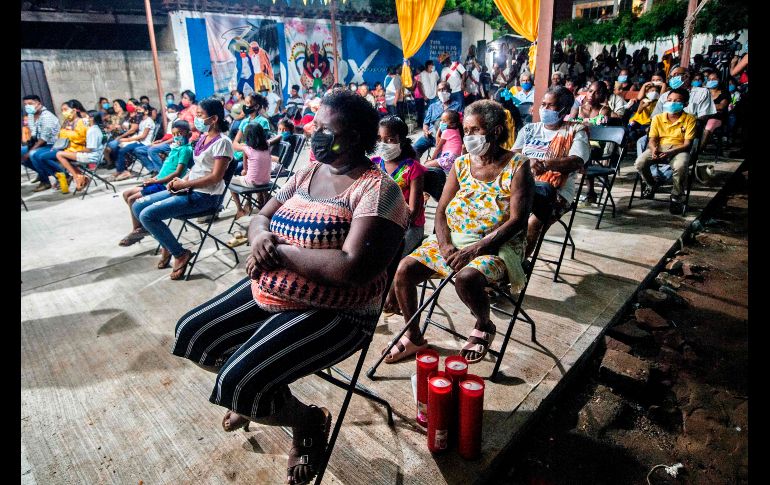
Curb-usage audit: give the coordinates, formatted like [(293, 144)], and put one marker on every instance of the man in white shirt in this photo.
[(527, 92), (452, 74), (472, 83), (393, 87), (701, 105), (429, 80)]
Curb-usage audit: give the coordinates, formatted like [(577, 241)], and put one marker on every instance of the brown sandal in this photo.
[(179, 271), (308, 446), (165, 259)]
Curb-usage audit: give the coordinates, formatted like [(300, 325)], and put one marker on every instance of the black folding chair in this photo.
[(350, 384), (499, 289), (568, 241), (24, 204), (188, 220), (605, 175), (286, 160), (94, 176), (692, 166)]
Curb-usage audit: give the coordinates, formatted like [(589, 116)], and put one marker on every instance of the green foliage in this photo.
[(382, 7), (722, 17), (664, 19)]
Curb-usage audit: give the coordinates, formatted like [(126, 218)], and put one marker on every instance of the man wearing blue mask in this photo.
[(670, 138), (700, 105), (556, 149), (44, 128), (527, 93)]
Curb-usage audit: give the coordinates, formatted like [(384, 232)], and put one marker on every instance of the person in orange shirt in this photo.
[(74, 128)]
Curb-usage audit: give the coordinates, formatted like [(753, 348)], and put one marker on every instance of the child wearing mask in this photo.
[(175, 166), (450, 142), (285, 130), (397, 158), (640, 120), (256, 166)]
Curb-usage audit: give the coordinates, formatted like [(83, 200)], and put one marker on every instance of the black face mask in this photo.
[(322, 145), (248, 110)]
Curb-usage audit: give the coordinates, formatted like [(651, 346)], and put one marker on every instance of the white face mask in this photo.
[(652, 95), (477, 145), (443, 96), (388, 151), (171, 115)]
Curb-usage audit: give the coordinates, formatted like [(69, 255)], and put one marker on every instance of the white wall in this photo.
[(700, 43)]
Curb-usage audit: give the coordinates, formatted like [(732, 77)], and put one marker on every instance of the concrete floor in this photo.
[(103, 400)]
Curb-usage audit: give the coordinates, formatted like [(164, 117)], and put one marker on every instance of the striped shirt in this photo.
[(46, 127), (324, 224)]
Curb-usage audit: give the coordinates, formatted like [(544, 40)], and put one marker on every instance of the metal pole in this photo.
[(543, 60), (334, 42), (155, 62)]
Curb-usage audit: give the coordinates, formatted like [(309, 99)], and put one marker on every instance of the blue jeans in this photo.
[(114, 146), (149, 156), (422, 144), (28, 162), (662, 173), (152, 210), (44, 161), (120, 164)]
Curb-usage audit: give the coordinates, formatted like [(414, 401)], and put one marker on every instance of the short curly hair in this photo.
[(357, 114), (492, 114)]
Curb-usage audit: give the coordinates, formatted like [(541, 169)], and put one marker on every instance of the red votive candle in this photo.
[(470, 416), (439, 411), (457, 367), (427, 362)]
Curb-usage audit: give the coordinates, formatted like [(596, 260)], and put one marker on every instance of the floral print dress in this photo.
[(477, 209)]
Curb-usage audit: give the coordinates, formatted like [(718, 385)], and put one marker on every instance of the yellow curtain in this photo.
[(523, 16), (416, 19)]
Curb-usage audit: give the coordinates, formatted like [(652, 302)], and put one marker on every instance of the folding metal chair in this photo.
[(93, 176), (188, 220), (499, 289), (693, 163), (606, 175), (287, 164), (24, 204), (568, 241), (351, 382)]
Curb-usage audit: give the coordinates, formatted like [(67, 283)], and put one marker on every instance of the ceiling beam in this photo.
[(89, 18)]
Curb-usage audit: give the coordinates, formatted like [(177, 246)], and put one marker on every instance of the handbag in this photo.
[(61, 144)]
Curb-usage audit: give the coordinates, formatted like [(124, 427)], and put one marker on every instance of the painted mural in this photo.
[(243, 51), (247, 53)]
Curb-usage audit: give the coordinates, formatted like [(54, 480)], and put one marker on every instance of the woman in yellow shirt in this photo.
[(74, 127)]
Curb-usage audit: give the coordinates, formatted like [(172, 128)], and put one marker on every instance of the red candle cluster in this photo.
[(455, 404)]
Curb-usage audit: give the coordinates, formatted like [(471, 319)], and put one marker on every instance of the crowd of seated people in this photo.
[(499, 184)]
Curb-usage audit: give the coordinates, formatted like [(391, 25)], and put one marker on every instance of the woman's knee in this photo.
[(469, 279), (407, 273)]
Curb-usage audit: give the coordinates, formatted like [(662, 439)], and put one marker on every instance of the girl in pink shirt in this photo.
[(450, 142), (256, 166)]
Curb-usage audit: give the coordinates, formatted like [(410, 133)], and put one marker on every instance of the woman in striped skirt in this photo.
[(316, 277)]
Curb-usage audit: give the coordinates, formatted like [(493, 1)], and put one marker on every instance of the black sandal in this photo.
[(308, 446)]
